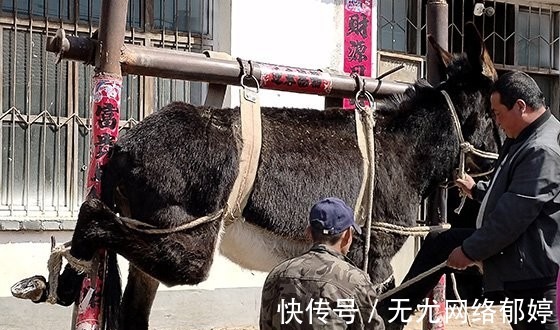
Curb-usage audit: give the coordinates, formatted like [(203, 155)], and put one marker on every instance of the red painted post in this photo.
[(105, 117)]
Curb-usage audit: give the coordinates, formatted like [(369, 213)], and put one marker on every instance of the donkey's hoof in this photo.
[(33, 288)]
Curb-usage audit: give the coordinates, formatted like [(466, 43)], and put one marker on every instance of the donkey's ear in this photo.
[(444, 57), (477, 53)]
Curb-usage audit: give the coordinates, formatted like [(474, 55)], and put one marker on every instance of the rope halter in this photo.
[(465, 148)]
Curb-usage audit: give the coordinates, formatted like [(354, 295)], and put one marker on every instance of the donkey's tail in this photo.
[(112, 291)]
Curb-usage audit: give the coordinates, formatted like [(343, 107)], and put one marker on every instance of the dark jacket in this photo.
[(326, 280), (519, 239)]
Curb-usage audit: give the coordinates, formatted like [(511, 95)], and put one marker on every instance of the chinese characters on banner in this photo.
[(291, 79), (105, 127), (359, 42)]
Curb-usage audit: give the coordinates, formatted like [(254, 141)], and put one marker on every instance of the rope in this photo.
[(369, 123), (412, 281), (136, 225), (54, 266), (467, 147), (364, 129), (405, 230), (365, 124), (380, 287), (456, 292)]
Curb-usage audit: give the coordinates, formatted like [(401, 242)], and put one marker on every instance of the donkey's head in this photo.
[(468, 81)]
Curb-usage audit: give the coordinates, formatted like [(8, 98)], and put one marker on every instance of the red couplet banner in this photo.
[(359, 17)]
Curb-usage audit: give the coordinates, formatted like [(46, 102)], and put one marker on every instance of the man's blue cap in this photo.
[(332, 216)]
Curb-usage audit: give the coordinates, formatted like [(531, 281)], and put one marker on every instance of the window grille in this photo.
[(45, 129), (518, 36), (182, 15)]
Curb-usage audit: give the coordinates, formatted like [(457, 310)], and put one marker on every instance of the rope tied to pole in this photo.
[(59, 252)]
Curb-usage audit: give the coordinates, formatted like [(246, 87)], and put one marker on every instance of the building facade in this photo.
[(45, 130)]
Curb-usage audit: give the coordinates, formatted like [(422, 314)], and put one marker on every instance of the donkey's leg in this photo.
[(179, 258), (137, 300), (36, 288)]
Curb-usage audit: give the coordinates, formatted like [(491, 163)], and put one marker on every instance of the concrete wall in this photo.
[(301, 33)]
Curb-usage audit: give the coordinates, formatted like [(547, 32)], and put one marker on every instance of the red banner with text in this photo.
[(359, 39)]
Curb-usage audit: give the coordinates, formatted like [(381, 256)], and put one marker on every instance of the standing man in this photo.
[(321, 289), (517, 239)]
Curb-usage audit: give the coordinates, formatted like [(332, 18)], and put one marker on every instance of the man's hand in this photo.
[(466, 184), (458, 260)]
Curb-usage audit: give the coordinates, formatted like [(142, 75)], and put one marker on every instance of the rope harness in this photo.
[(365, 125)]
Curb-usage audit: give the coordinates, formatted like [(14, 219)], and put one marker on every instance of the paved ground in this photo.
[(232, 309), (172, 310)]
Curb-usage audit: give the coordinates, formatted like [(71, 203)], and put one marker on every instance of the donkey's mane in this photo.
[(395, 108)]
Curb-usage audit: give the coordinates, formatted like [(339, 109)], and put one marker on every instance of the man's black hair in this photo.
[(319, 237), (515, 85)]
